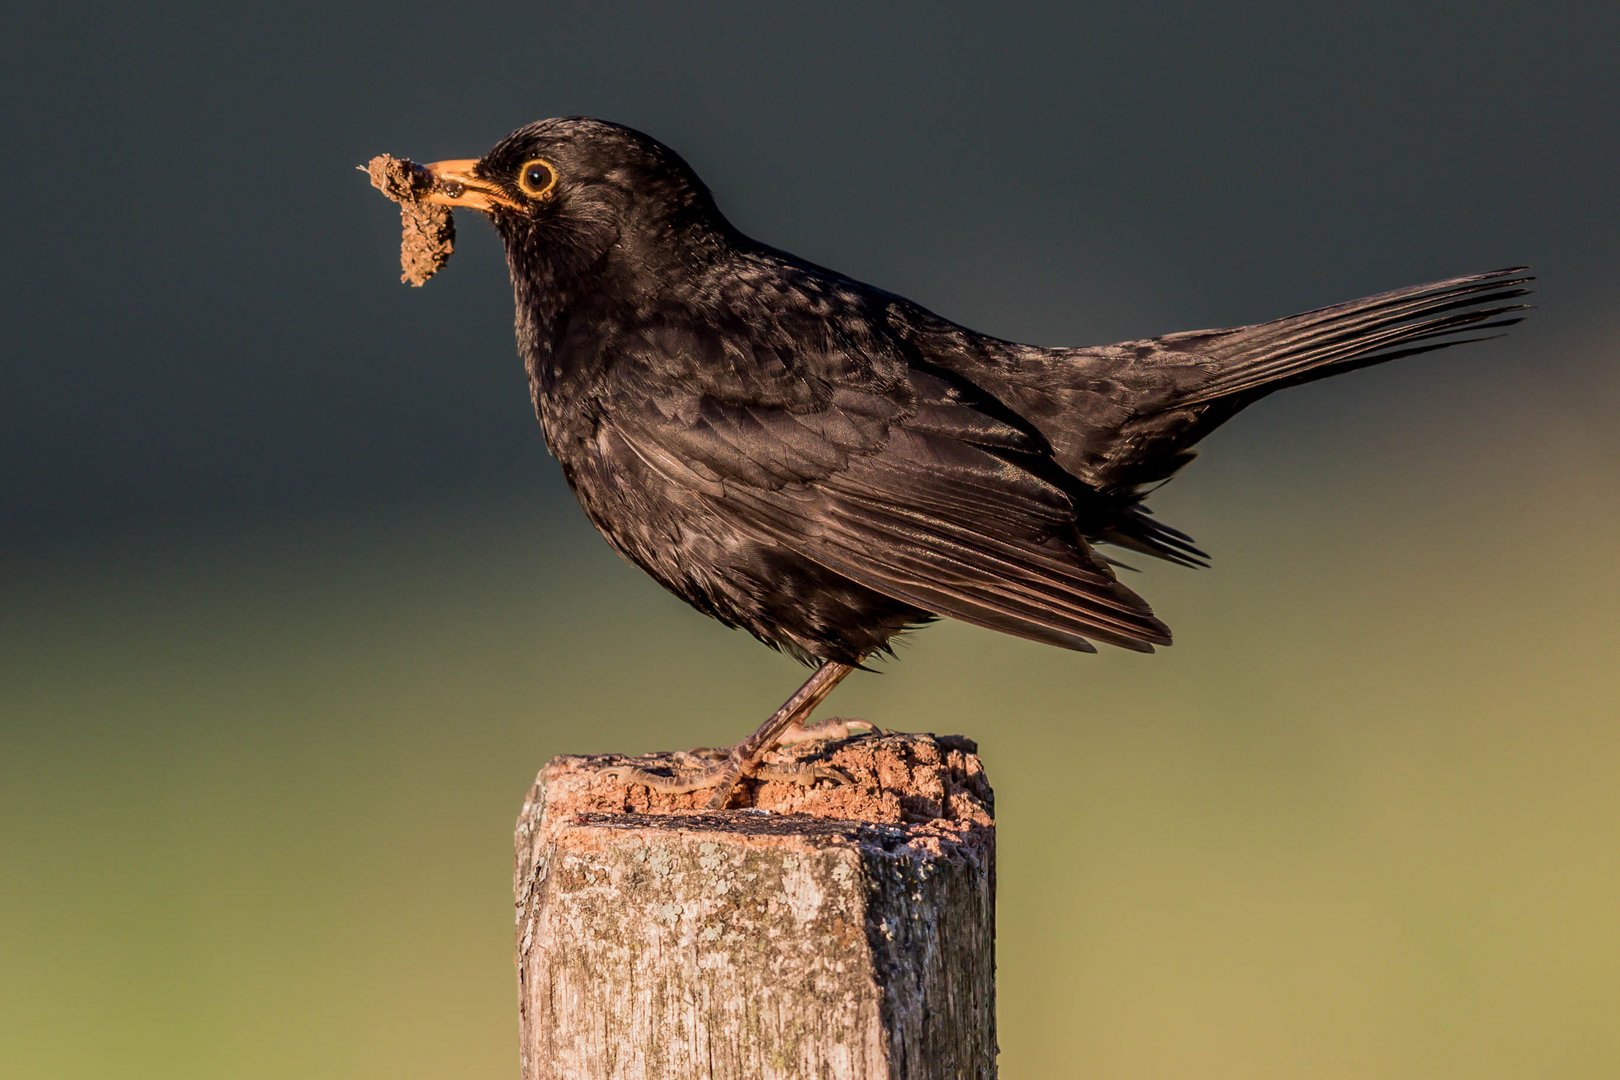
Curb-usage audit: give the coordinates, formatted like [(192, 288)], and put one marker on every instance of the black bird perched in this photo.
[(825, 464)]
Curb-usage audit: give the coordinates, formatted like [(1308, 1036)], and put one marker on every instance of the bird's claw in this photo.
[(804, 773), (834, 727), (670, 785)]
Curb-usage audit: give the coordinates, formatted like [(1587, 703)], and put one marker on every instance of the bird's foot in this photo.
[(834, 727), (723, 769), (747, 758)]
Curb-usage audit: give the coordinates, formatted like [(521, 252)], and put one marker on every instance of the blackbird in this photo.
[(826, 464)]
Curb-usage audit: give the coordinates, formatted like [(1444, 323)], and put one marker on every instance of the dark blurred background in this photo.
[(295, 604)]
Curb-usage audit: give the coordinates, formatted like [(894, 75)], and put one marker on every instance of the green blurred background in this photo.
[(295, 605)]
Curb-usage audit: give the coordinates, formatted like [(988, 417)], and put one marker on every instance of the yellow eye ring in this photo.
[(537, 178)]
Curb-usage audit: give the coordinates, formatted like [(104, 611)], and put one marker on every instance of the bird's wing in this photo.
[(883, 474)]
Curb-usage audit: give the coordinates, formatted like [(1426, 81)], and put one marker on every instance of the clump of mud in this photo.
[(428, 232)]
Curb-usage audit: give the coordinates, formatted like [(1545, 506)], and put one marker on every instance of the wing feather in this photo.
[(821, 439), (925, 517)]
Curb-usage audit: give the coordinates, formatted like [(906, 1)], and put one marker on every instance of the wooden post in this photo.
[(831, 931)]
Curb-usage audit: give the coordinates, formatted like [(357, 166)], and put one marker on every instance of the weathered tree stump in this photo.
[(831, 931)]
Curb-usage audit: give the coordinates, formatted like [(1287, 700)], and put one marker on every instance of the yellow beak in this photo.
[(454, 184)]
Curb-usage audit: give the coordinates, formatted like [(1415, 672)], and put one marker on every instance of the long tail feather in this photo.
[(1330, 340), (1137, 530)]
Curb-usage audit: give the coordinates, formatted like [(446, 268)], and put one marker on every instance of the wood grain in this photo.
[(834, 931)]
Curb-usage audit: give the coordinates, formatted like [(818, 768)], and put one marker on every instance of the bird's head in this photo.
[(570, 196)]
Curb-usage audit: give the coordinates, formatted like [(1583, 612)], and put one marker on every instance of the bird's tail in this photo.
[(1252, 361)]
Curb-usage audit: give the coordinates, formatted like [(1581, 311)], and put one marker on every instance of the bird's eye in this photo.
[(537, 178)]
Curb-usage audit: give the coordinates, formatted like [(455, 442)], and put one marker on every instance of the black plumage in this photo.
[(825, 464)]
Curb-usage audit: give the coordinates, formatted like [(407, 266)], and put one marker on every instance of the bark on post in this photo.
[(834, 931)]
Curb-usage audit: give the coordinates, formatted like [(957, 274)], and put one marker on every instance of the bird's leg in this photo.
[(744, 759), (745, 756)]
